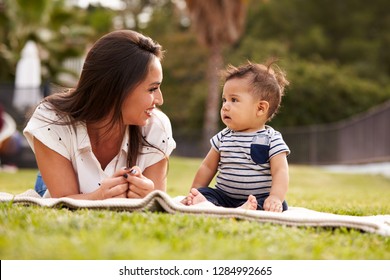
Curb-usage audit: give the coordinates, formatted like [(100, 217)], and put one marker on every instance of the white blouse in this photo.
[(73, 143)]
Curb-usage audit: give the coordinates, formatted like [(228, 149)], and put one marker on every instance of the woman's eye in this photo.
[(152, 90)]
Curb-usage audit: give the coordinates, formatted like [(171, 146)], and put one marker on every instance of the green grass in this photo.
[(31, 232)]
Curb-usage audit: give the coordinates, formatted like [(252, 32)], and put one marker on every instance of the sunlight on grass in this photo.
[(18, 182), (354, 194)]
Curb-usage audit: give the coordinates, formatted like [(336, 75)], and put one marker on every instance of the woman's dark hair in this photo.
[(114, 66)]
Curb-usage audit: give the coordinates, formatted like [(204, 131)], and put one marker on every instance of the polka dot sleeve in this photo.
[(41, 127)]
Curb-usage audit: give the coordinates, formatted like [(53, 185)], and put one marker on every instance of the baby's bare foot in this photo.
[(195, 197), (250, 204)]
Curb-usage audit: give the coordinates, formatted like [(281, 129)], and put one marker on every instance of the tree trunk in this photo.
[(212, 108)]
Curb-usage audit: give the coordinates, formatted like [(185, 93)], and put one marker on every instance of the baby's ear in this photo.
[(262, 107)]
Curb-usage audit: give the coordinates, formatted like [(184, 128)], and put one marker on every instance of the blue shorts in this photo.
[(219, 198)]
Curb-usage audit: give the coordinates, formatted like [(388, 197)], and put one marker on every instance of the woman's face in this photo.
[(139, 104)]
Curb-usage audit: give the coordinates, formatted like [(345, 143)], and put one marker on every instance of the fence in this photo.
[(361, 139)]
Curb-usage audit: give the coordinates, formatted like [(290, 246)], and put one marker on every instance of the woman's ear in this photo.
[(262, 107)]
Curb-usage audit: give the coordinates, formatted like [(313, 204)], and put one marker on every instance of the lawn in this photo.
[(37, 233)]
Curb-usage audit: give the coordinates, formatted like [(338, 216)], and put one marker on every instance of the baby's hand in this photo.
[(273, 204)]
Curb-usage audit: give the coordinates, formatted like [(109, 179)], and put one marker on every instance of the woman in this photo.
[(106, 138)]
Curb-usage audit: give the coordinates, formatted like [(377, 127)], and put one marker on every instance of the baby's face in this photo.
[(240, 109)]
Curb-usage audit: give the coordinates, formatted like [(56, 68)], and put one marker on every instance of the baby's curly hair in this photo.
[(268, 81)]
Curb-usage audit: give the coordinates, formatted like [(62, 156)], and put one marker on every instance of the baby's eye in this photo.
[(223, 100), (234, 100)]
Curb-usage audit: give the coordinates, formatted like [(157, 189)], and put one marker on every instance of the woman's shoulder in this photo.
[(158, 132), (160, 116), (160, 122), (45, 112)]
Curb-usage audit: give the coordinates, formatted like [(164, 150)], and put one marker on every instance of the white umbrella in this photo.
[(28, 78)]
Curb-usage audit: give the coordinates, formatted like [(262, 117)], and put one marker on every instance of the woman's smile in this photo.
[(149, 111)]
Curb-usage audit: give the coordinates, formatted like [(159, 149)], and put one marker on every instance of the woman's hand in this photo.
[(113, 187), (139, 185)]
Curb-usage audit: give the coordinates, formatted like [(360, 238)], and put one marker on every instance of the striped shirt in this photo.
[(244, 166)]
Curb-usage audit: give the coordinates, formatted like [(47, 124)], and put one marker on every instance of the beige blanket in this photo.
[(162, 202)]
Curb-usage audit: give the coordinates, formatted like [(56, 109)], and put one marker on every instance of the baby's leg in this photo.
[(250, 204), (195, 197)]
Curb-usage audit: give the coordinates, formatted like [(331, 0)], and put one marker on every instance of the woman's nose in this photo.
[(158, 98)]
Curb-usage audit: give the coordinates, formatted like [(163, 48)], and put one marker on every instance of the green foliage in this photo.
[(333, 52), (347, 31), (60, 32), (326, 92), (100, 19), (184, 86), (336, 68), (42, 233)]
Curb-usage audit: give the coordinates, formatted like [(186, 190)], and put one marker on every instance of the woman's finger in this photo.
[(132, 194), (119, 189)]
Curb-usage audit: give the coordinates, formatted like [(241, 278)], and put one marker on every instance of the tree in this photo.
[(217, 23), (60, 31), (135, 13)]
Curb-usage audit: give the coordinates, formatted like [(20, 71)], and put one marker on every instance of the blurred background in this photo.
[(336, 55)]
